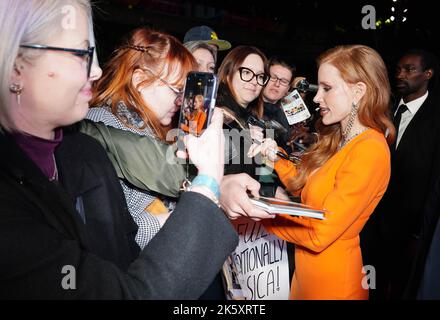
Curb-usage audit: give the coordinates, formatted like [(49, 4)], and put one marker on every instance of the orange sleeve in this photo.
[(201, 119), (185, 126), (362, 177), (285, 169)]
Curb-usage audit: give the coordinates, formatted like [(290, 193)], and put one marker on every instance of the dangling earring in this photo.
[(17, 89), (353, 113)]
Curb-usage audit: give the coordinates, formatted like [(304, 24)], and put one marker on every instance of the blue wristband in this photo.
[(208, 181)]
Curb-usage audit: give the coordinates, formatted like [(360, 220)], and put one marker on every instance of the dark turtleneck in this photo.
[(40, 151), (226, 99)]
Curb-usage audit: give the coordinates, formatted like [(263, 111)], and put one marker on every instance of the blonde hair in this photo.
[(356, 63), (199, 99), (27, 22), (194, 45)]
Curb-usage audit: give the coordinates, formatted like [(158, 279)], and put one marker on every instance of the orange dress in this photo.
[(196, 121), (349, 185)]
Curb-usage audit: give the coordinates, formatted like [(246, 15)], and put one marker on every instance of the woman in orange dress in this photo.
[(346, 173), (196, 118)]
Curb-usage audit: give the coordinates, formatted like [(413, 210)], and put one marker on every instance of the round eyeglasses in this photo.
[(247, 75), (283, 82), (86, 54), (177, 92)]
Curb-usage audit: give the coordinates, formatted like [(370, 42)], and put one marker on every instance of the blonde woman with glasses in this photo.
[(65, 232)]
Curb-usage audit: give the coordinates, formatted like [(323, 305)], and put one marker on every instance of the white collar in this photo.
[(414, 105)]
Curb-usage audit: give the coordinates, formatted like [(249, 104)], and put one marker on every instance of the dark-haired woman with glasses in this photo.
[(242, 76)]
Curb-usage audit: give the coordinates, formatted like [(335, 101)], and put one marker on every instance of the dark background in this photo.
[(296, 30)]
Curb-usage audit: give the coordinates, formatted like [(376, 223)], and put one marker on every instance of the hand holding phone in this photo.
[(207, 151)]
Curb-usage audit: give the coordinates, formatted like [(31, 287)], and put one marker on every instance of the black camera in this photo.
[(267, 124), (305, 86)]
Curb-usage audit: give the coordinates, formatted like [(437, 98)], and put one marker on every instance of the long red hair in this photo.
[(144, 49), (356, 63)]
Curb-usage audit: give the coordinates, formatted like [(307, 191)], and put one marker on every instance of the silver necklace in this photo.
[(344, 141), (55, 170)]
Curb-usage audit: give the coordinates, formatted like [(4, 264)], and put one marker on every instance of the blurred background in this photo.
[(295, 30)]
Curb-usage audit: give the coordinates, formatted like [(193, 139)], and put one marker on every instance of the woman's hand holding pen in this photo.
[(268, 148)]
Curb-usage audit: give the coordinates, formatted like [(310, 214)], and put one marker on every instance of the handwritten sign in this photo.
[(259, 264)]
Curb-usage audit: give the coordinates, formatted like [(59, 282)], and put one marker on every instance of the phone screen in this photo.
[(198, 102)]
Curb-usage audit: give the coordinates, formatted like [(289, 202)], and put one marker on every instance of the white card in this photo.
[(295, 108)]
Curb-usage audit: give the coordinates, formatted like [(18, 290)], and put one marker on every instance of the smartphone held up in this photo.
[(198, 102)]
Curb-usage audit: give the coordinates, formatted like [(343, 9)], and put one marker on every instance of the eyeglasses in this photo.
[(177, 92), (247, 75), (86, 54), (283, 82)]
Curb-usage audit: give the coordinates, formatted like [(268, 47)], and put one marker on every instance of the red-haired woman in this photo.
[(346, 172), (140, 92)]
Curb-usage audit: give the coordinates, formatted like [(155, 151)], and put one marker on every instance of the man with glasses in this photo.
[(397, 225), (280, 81), (281, 76)]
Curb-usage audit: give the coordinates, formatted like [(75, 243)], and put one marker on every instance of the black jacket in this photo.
[(239, 140), (41, 232), (424, 274), (415, 166), (396, 227), (429, 287), (275, 112)]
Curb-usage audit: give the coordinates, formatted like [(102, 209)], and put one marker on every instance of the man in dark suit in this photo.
[(391, 237)]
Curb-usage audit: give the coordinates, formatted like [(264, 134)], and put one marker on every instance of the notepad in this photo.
[(278, 206)]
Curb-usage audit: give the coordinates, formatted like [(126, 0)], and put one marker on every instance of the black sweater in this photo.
[(42, 234)]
